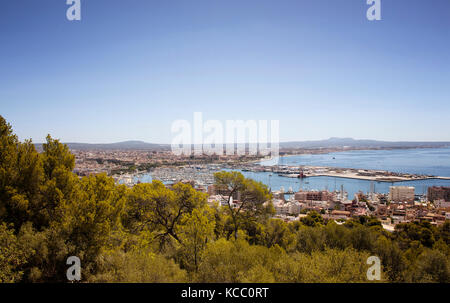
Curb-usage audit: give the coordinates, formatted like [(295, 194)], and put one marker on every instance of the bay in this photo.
[(428, 161), (416, 161)]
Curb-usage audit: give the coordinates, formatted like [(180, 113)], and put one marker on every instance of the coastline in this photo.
[(331, 151), (386, 180), (346, 169), (311, 171)]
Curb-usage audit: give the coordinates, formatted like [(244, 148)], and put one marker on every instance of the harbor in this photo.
[(276, 178), (351, 170), (360, 174)]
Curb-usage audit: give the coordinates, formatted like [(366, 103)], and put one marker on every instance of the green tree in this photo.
[(93, 217), (20, 177), (277, 232), (60, 184), (312, 219), (157, 208), (254, 198), (12, 256), (430, 266), (196, 229), (137, 266), (392, 258), (236, 261)]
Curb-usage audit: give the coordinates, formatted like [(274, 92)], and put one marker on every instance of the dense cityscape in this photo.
[(401, 204)]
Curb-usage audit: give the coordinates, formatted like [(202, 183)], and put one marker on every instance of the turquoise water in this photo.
[(418, 161), (352, 186), (425, 161), (428, 161)]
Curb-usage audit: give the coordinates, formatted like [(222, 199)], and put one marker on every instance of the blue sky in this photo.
[(128, 69)]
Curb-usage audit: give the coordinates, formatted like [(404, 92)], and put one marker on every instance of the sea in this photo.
[(422, 161), (426, 161)]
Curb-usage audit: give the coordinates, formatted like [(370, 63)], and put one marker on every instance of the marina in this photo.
[(286, 172)]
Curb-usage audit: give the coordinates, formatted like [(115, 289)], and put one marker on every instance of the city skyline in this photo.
[(319, 67)]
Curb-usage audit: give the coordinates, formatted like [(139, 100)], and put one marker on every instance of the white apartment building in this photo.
[(281, 208), (285, 208), (401, 194), (222, 200), (295, 208)]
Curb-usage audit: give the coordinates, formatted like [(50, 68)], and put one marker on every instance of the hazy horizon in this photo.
[(281, 142)]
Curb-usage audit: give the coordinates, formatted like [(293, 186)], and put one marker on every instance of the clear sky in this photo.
[(128, 69)]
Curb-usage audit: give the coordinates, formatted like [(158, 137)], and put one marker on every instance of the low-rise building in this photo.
[(220, 199), (339, 214), (323, 195), (441, 203)]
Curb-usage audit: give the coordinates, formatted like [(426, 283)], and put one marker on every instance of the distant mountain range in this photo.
[(125, 145), (328, 143), (353, 143)]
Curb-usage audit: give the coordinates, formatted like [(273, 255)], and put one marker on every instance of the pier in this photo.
[(337, 172)]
